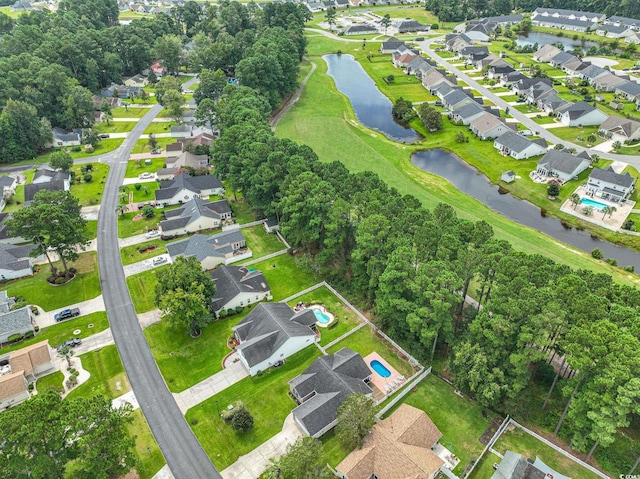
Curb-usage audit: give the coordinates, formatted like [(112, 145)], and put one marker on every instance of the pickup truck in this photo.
[(66, 314), (72, 343)]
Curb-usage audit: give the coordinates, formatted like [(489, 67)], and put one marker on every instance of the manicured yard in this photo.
[(131, 254), (260, 242), (135, 167), (160, 127), (524, 108), (142, 146), (510, 98), (90, 193), (576, 134), (91, 229), (36, 290), (142, 195), (346, 318), (123, 112), (185, 361), (365, 342), (115, 126), (50, 381), (128, 227), (240, 210), (285, 276), (543, 119), (266, 397), (150, 458), (60, 332), (141, 288), (107, 374)]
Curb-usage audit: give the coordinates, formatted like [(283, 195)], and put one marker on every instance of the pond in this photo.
[(372, 108), (469, 181), (546, 38)]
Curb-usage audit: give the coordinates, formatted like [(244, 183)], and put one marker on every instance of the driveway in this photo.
[(145, 265), (45, 318), (133, 181), (131, 240), (90, 213), (94, 342), (252, 465)]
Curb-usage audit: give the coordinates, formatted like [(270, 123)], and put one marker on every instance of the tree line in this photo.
[(413, 266)]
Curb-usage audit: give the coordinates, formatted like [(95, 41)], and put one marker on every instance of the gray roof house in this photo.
[(608, 82), (489, 127), (568, 14), (32, 189), (272, 332), (238, 286), (63, 137), (630, 90), (620, 129), (592, 72), (519, 147), (457, 97), (185, 187), (466, 113), (562, 165), (18, 321), (15, 261), (546, 53), (324, 386), (405, 26), (516, 466), (360, 29), (46, 176), (187, 159), (390, 45), (561, 59), (224, 248), (609, 185), (195, 215), (582, 114)]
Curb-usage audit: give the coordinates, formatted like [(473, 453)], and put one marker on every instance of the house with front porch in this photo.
[(562, 165), (195, 215), (466, 113), (489, 127), (184, 188), (518, 147), (272, 332), (582, 114), (224, 248), (620, 129), (630, 90), (609, 185), (237, 286)]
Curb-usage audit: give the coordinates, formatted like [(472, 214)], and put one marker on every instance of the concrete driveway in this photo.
[(90, 212), (45, 318), (133, 181), (131, 240), (145, 265)]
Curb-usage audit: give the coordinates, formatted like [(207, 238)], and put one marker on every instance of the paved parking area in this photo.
[(145, 265), (45, 318)]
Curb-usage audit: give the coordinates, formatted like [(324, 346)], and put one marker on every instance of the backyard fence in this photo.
[(264, 258), (489, 445), (411, 383)]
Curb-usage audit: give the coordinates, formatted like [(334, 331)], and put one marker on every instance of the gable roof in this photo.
[(26, 359), (12, 384), (391, 43), (16, 320), (193, 210), (513, 141), (516, 466), (617, 124), (32, 189), (469, 110), (326, 384), (629, 88), (196, 184), (578, 110), (398, 447), (561, 161), (15, 258), (6, 181), (204, 246), (233, 280), (51, 175), (610, 176), (267, 327), (486, 122)]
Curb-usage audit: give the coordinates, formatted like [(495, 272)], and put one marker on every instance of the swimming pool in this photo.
[(380, 368), (321, 317), (589, 202)]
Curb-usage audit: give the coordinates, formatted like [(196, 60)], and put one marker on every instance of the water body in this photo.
[(469, 181), (546, 38), (372, 108)]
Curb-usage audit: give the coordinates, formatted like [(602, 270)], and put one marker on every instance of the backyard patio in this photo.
[(612, 221)]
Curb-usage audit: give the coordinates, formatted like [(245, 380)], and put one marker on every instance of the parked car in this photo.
[(71, 343), (157, 151), (438, 103), (145, 176), (152, 234), (66, 314), (525, 133), (103, 136), (159, 260)]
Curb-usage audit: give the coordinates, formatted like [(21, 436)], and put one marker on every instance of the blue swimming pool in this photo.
[(321, 317), (380, 368), (589, 202)]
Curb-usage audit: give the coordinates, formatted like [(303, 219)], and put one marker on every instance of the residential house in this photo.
[(509, 79), (552, 103), (324, 386), (546, 53), (419, 66), (457, 42), (391, 45), (466, 113), (401, 60), (21, 6), (120, 91), (364, 29), (592, 72), (174, 150), (188, 131), (489, 127), (519, 147), (5, 238), (237, 286), (401, 446), (15, 261), (457, 97), (63, 137), (516, 466), (544, 12), (47, 176), (582, 114), (202, 139), (538, 91), (139, 81), (407, 26), (497, 71), (224, 248), (434, 78), (486, 62), (17, 321), (32, 360), (608, 82), (478, 34), (563, 24), (620, 129), (195, 215), (561, 59), (187, 160), (272, 332), (521, 86), (7, 188), (471, 54), (612, 31), (574, 67), (14, 389), (185, 187), (629, 90), (562, 165), (609, 185), (623, 21)]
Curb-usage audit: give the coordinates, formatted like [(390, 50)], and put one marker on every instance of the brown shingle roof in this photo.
[(12, 384), (397, 448), (27, 358)]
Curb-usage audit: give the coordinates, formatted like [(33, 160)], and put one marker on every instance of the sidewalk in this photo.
[(45, 318), (145, 265), (210, 386), (149, 318), (252, 465)]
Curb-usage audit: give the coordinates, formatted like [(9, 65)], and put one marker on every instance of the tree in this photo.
[(166, 83), (356, 417), (386, 22), (52, 221), (172, 100), (553, 190), (105, 108), (303, 461), (60, 160), (152, 141), (431, 117), (206, 112), (148, 211), (575, 200), (403, 111), (211, 86), (587, 210), (168, 49), (242, 420), (65, 352), (48, 437), (331, 17), (22, 133)]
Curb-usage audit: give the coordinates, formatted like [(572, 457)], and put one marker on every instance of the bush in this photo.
[(597, 254), (629, 225), (29, 334), (87, 178), (239, 309), (230, 311), (14, 337), (434, 26), (227, 414), (391, 78), (222, 314), (60, 280), (37, 328), (553, 190), (35, 312), (148, 211), (629, 268), (242, 420), (76, 149), (137, 186), (612, 261)]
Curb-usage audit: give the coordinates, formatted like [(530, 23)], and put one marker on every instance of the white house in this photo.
[(620, 129), (195, 215), (582, 114), (488, 126), (224, 248), (519, 147), (609, 185), (185, 187), (238, 286), (65, 138), (16, 321), (271, 333), (15, 261), (563, 165)]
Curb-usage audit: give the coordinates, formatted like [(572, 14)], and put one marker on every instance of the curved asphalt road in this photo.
[(182, 451)]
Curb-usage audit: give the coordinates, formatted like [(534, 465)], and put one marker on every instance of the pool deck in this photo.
[(378, 381), (612, 222)]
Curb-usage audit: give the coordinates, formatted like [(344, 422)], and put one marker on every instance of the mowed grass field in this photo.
[(323, 119)]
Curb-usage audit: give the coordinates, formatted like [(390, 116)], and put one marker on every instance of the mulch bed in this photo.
[(490, 430)]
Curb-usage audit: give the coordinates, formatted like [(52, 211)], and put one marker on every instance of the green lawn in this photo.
[(260, 242), (240, 210), (7, 11), (115, 126), (123, 112), (524, 108), (90, 193), (285, 276), (185, 361), (36, 290), (135, 167), (60, 332), (130, 254), (91, 229), (50, 381), (323, 113), (142, 195), (543, 119), (128, 227), (266, 397), (150, 458), (510, 98), (365, 342), (519, 441), (107, 374), (142, 146), (347, 319), (160, 127), (141, 288), (576, 134)]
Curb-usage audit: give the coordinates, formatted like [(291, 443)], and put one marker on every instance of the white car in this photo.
[(159, 260), (145, 176), (152, 234)]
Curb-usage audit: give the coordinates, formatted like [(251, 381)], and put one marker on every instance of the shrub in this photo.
[(230, 311), (14, 337), (391, 78), (137, 186), (629, 268), (597, 254), (559, 146), (553, 190), (29, 334), (242, 420), (148, 211), (60, 280), (612, 261), (434, 26), (87, 178), (629, 225), (222, 314), (239, 309), (227, 414), (37, 328), (76, 149)]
